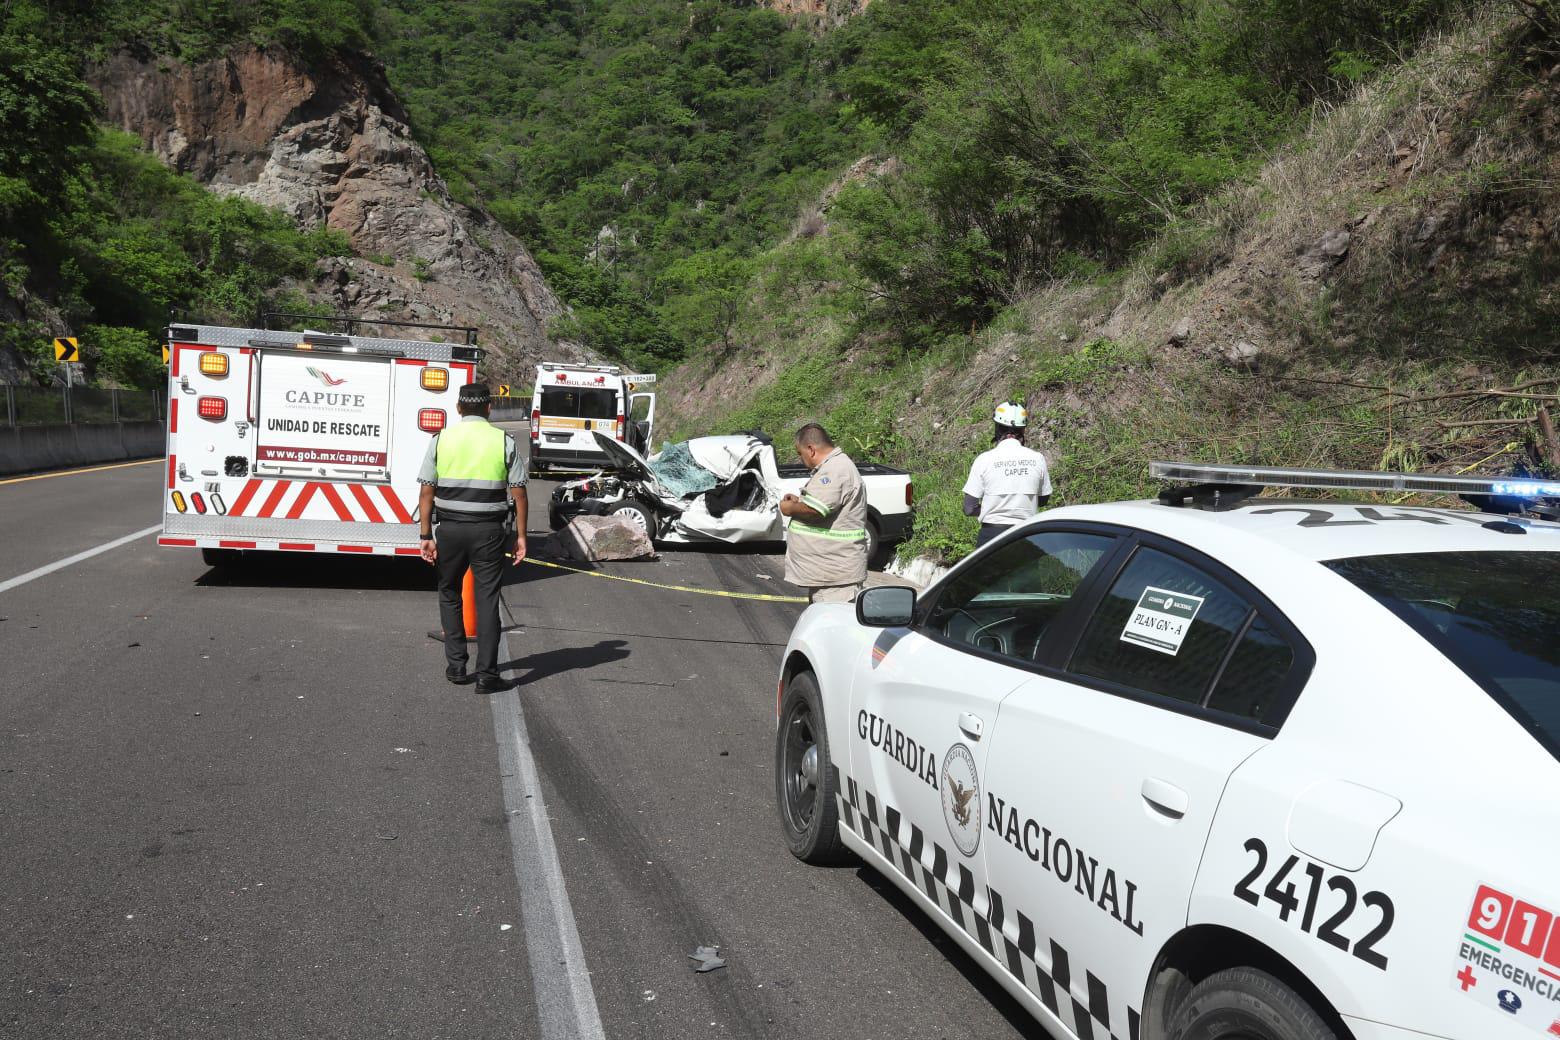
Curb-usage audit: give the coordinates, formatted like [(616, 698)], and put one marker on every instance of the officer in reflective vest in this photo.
[(471, 472)]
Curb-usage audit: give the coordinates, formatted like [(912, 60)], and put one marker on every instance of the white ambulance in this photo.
[(302, 442), (572, 402)]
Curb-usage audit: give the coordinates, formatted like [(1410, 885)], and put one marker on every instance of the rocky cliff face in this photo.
[(827, 13), (331, 145)]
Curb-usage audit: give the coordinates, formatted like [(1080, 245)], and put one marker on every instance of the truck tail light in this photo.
[(436, 379), (622, 427), (213, 364), (199, 503), (430, 420), (178, 501), (909, 493), (536, 424), (213, 408)]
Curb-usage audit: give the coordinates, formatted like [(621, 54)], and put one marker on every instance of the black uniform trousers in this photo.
[(987, 533), (480, 545)]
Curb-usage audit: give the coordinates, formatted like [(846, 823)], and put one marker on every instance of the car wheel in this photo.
[(637, 515), (221, 557), (804, 779), (874, 543), (1246, 1004)]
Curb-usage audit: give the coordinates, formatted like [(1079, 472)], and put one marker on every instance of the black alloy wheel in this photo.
[(804, 780)]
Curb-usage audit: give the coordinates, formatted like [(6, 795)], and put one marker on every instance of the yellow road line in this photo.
[(73, 472), (670, 588)]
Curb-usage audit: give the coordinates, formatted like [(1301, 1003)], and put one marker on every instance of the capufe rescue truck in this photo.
[(302, 442)]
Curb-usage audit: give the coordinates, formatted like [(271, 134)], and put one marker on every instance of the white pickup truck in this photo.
[(720, 489)]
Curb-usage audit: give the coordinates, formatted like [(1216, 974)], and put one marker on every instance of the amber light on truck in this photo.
[(212, 408), (430, 420), (436, 379), (178, 501), (214, 364)]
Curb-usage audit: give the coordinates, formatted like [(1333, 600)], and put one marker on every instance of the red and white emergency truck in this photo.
[(302, 442), (571, 403)]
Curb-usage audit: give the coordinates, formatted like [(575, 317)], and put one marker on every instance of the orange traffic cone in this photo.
[(468, 603)]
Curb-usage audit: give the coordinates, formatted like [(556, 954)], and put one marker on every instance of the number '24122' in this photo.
[(1282, 892)]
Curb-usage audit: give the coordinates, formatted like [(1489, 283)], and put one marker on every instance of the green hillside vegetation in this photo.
[(99, 239), (1074, 182), (644, 151)]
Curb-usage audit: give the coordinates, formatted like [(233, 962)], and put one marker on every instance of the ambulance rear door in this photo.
[(324, 415)]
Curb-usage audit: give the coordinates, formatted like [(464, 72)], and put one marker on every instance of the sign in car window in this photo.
[(1161, 619), (323, 412)]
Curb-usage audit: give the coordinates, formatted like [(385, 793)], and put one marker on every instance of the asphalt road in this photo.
[(247, 804)]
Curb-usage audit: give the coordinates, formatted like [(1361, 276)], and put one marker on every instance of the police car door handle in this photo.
[(1166, 799), (971, 725)]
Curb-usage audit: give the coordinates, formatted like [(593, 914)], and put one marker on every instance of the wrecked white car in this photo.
[(719, 489)]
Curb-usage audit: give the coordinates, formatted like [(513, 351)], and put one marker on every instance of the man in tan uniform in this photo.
[(826, 547)]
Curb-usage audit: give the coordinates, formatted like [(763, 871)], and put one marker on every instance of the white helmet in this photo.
[(1011, 414)]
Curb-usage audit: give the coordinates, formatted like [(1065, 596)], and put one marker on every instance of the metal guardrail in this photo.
[(48, 405)]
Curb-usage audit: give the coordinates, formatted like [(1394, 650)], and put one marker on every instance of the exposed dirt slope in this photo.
[(1386, 292)]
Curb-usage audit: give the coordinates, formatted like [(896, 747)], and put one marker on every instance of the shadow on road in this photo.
[(1016, 1014), (286, 570), (548, 663)]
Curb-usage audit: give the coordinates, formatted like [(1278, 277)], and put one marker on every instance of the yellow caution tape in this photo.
[(670, 588)]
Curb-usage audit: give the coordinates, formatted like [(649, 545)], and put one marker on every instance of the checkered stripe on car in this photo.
[(1046, 971)]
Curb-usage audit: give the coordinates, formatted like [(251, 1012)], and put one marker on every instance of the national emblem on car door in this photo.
[(961, 798)]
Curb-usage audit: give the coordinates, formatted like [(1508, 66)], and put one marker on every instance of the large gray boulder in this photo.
[(597, 538)]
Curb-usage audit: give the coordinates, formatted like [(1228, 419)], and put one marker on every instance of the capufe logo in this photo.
[(961, 798), (325, 377)]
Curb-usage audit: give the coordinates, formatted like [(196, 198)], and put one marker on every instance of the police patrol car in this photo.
[(1216, 766)]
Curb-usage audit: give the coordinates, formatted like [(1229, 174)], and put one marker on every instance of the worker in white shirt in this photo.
[(1009, 483)]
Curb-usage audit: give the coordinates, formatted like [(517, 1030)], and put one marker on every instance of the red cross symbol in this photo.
[(1554, 1027), (1468, 981)]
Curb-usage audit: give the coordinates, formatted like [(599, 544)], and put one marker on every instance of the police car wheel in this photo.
[(1246, 1004), (637, 515), (804, 781)]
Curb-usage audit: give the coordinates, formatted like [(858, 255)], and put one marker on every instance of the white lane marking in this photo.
[(23, 579), (565, 1002)]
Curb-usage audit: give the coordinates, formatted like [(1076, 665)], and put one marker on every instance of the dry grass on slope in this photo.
[(1382, 294)]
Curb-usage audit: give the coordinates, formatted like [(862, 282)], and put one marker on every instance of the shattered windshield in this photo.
[(676, 471), (1495, 615)]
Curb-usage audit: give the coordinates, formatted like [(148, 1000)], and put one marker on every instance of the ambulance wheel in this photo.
[(804, 780), (1246, 1004), (637, 515), (229, 558)]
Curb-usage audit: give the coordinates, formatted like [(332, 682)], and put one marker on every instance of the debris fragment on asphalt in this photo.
[(505, 927), (708, 957)]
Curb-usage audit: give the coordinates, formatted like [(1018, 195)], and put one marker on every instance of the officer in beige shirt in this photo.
[(826, 545)]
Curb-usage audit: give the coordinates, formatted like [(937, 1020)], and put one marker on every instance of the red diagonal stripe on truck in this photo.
[(243, 498), (303, 499), (334, 498), (361, 494), (274, 497), (395, 504)]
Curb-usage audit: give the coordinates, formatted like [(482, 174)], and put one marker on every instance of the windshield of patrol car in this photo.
[(1496, 615)]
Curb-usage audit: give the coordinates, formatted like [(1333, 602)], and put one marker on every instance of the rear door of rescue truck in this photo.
[(571, 403), (302, 442)]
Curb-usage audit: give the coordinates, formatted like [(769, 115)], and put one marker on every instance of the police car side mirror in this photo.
[(885, 606)]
